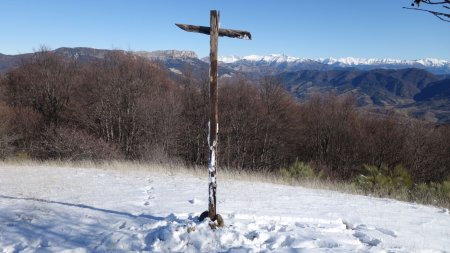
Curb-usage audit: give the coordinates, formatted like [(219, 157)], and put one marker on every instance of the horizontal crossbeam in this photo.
[(222, 32)]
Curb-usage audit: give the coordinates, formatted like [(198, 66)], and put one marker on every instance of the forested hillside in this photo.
[(125, 107), (378, 85)]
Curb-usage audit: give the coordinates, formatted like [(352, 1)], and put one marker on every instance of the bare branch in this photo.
[(442, 16), (431, 2)]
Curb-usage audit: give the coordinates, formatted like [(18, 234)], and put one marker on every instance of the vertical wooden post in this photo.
[(214, 116), (214, 32)]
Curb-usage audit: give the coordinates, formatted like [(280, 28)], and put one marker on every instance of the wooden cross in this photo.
[(214, 31)]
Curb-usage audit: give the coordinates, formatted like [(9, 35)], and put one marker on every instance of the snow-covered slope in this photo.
[(49, 209), (433, 65)]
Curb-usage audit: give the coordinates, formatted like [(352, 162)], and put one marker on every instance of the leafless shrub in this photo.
[(130, 102), (43, 82), (256, 125), (124, 104), (330, 134), (72, 144), (7, 136), (193, 146), (427, 152), (27, 125)]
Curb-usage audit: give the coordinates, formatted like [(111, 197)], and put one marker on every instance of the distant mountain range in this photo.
[(419, 88), (289, 63), (411, 92)]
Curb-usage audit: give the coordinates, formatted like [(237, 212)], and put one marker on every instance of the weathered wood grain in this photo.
[(214, 32), (238, 34), (214, 113)]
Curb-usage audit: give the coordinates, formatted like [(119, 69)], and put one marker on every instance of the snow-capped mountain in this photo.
[(167, 54), (351, 62), (269, 64), (265, 58), (435, 66), (378, 83)]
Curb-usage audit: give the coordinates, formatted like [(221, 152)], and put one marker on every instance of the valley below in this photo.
[(417, 89)]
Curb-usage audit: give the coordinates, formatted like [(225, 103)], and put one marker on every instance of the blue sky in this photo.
[(304, 28)]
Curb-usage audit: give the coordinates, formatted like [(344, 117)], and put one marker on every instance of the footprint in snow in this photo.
[(252, 235), (384, 231), (348, 225), (387, 232), (195, 201), (149, 196), (366, 239), (327, 244), (122, 225), (301, 225)]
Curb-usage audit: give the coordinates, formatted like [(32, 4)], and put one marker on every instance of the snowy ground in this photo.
[(49, 209)]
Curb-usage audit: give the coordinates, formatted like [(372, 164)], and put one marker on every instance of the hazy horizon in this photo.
[(306, 29)]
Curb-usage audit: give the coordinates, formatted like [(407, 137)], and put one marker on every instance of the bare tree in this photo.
[(73, 144), (129, 101), (443, 15), (241, 116), (194, 118), (7, 137), (44, 82), (278, 122)]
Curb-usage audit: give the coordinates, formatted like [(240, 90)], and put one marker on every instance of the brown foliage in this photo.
[(239, 124), (72, 144), (7, 136), (194, 118), (256, 124), (126, 106), (427, 152), (129, 101), (44, 82), (27, 125), (331, 134)]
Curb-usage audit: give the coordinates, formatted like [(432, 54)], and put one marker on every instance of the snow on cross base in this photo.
[(63, 209)]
